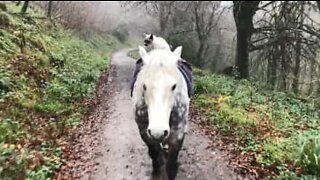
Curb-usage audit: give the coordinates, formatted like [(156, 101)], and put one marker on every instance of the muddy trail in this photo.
[(107, 146)]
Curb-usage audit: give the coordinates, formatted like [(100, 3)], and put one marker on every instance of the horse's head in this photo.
[(160, 86)]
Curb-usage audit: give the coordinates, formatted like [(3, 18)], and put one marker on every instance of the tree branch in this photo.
[(259, 47), (264, 6)]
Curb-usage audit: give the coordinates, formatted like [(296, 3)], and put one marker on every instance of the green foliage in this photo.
[(4, 19), (189, 49), (13, 161), (5, 82), (11, 131), (273, 152), (3, 6), (121, 33), (308, 152), (263, 123), (52, 161), (46, 72), (7, 43)]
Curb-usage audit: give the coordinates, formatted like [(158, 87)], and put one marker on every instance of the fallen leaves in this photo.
[(79, 150), (12, 146), (221, 99), (36, 160)]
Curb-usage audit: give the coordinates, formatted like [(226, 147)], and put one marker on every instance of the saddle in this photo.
[(183, 66)]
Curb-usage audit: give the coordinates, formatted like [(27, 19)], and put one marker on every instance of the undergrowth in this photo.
[(280, 130), (47, 74)]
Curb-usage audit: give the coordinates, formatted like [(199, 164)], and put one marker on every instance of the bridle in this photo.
[(165, 149)]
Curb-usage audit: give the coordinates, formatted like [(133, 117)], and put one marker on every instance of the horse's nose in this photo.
[(158, 135)]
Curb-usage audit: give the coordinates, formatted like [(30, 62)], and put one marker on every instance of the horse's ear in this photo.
[(178, 51), (142, 52)]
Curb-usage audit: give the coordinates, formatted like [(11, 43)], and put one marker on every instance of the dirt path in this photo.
[(118, 153)]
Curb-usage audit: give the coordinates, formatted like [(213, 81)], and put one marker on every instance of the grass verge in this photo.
[(47, 77)]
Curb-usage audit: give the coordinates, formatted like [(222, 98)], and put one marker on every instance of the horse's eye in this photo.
[(173, 87), (144, 87)]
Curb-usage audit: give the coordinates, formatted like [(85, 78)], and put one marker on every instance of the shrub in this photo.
[(3, 7), (121, 33), (309, 154), (187, 42), (4, 19)]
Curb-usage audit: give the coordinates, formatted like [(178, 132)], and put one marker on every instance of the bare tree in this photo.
[(288, 39), (206, 16), (73, 15), (163, 10)]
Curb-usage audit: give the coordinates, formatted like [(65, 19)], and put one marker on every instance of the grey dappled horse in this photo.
[(161, 93)]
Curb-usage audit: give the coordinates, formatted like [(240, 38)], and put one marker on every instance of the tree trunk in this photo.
[(273, 79), (243, 12), (269, 70), (295, 84), (199, 61), (49, 9), (318, 92), (312, 73), (163, 18), (242, 56), (24, 7), (161, 12), (272, 67), (284, 64)]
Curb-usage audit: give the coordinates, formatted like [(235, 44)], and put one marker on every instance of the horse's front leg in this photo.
[(172, 159), (172, 165), (158, 162)]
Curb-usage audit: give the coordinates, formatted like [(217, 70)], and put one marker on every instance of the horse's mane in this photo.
[(162, 61)]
